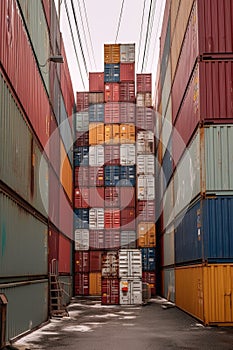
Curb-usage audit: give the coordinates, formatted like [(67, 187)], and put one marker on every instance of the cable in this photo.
[(92, 50), (147, 31), (150, 31), (119, 21), (140, 40), (157, 32)]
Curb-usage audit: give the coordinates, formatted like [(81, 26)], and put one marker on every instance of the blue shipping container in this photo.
[(96, 112), (148, 259), (81, 218), (205, 232), (81, 156), (111, 175), (111, 73), (128, 175)]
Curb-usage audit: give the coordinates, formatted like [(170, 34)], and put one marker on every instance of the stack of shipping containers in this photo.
[(196, 99), (36, 174)]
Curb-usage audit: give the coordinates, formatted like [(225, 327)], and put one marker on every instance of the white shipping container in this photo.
[(145, 164), (168, 247), (81, 239), (130, 292), (127, 154), (144, 99), (146, 187), (130, 263), (128, 239), (110, 264), (96, 218), (96, 155), (127, 53), (145, 142), (82, 121)]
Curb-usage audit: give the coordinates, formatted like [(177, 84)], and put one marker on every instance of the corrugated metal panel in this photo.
[(82, 101), (81, 197), (167, 163), (110, 291), (82, 121), (149, 277), (81, 176), (165, 54), (29, 300), (112, 133), (144, 99), (145, 211), (127, 112), (95, 261), (66, 173), (130, 263), (130, 292), (96, 176), (128, 239), (66, 282), (96, 82), (127, 72), (96, 239), (66, 215), (127, 133), (66, 130), (54, 144), (111, 239), (81, 239), (96, 219), (145, 142), (96, 133), (128, 221), (146, 234), (65, 255), (127, 154), (111, 53), (96, 197), (82, 262), (54, 197), (46, 5), (127, 175), (111, 73), (166, 18), (168, 244), (96, 155), (110, 264), (166, 88), (127, 53), (112, 197), (23, 237), (112, 218), (146, 187), (96, 97), (81, 139), (127, 196), (127, 92), (169, 201), (81, 156), (112, 155), (167, 128), (111, 175), (53, 245), (145, 164), (96, 112), (145, 118), (169, 284), (148, 259), (81, 284), (81, 218), (111, 92), (112, 112), (95, 283), (144, 82)]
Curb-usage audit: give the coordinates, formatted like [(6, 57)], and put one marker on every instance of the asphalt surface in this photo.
[(91, 326)]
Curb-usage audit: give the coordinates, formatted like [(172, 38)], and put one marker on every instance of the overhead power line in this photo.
[(151, 25), (89, 33), (147, 32), (119, 21), (141, 30)]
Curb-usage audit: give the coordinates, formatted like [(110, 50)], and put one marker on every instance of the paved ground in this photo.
[(91, 326)]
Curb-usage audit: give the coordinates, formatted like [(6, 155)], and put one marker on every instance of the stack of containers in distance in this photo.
[(145, 161)]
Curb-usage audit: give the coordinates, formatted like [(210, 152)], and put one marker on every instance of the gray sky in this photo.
[(103, 17)]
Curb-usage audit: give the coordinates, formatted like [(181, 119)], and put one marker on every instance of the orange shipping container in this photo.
[(112, 53), (95, 283), (146, 234), (96, 133), (112, 133), (127, 133), (66, 176)]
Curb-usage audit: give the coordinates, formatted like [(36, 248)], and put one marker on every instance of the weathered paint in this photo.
[(110, 291)]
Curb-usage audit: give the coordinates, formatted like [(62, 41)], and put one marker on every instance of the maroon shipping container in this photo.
[(81, 283), (112, 239), (149, 277), (53, 245), (96, 197), (96, 176), (110, 291), (96, 82), (64, 258), (54, 144), (112, 218), (127, 196), (81, 176), (82, 263), (127, 92), (144, 82), (112, 112), (54, 197), (95, 261), (111, 92), (127, 112), (145, 118), (128, 219), (112, 197), (145, 211), (66, 215), (96, 239), (82, 139), (81, 197), (112, 155), (82, 101), (127, 72)]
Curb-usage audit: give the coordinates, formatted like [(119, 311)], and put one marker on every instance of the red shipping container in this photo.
[(95, 261), (81, 283), (96, 176), (81, 197), (96, 82), (110, 291), (54, 144), (127, 112), (149, 277), (128, 219), (127, 92), (82, 139), (66, 215), (112, 197), (96, 197), (127, 197), (112, 239), (127, 72), (54, 197), (111, 92), (82, 263), (53, 245), (82, 101), (112, 218), (65, 254), (112, 155), (81, 176), (144, 82), (96, 239), (145, 118), (145, 211), (112, 112)]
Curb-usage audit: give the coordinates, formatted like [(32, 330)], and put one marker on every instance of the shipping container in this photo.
[(112, 112), (127, 154), (81, 283), (170, 201), (65, 215), (65, 255), (96, 176), (66, 130), (205, 292), (127, 112), (149, 277), (127, 92), (111, 175), (127, 133), (81, 240), (95, 261), (111, 72), (144, 83), (96, 133), (112, 155), (54, 197), (110, 291), (127, 197), (145, 164), (81, 218), (111, 53), (111, 92), (53, 245), (169, 6), (95, 283), (81, 197), (130, 291), (127, 53), (95, 98), (127, 175), (130, 263), (112, 133), (66, 173), (128, 220), (112, 197), (96, 197), (112, 218), (81, 175), (146, 234), (81, 139), (146, 187), (96, 218), (167, 127), (128, 240), (82, 101), (96, 156), (54, 144), (96, 82), (167, 164), (145, 118), (148, 259), (145, 142), (82, 262), (169, 287), (144, 100), (96, 239), (146, 211), (168, 247), (81, 156), (166, 88), (127, 72), (110, 264), (96, 112), (111, 239)]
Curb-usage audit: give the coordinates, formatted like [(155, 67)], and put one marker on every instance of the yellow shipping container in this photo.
[(206, 292), (112, 53), (146, 234), (66, 176), (127, 133), (95, 283), (112, 133), (96, 133)]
